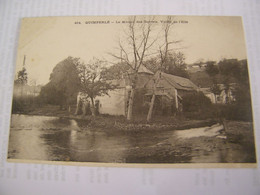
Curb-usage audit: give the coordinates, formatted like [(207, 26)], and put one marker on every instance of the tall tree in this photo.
[(115, 71), (229, 68), (22, 77), (174, 64), (64, 82), (212, 69), (134, 50), (235, 71), (51, 94), (164, 56), (21, 81), (93, 81)]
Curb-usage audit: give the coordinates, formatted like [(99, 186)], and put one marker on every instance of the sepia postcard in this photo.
[(134, 91)]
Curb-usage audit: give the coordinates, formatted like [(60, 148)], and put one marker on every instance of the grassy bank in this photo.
[(109, 122), (157, 141), (237, 147)]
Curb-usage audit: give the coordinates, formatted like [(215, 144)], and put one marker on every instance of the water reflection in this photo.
[(61, 139), (25, 138)]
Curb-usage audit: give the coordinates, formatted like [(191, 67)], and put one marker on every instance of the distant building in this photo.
[(225, 96), (196, 67)]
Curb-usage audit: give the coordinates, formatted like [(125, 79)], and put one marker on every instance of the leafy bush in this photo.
[(234, 112), (197, 106), (24, 103), (195, 101), (17, 105)]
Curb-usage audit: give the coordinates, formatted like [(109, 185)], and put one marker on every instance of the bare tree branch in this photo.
[(121, 58)]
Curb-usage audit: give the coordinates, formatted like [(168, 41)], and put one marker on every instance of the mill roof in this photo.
[(175, 81)]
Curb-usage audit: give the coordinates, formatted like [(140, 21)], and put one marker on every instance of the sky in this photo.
[(48, 40)]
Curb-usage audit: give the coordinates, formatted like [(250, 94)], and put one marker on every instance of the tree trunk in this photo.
[(84, 108), (130, 105), (149, 116), (78, 105), (92, 107), (176, 100)]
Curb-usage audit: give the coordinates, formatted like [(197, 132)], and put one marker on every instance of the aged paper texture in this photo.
[(149, 91)]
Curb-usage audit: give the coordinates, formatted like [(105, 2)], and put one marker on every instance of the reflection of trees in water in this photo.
[(60, 122), (50, 138), (69, 143), (94, 145), (82, 146), (58, 145), (66, 142)]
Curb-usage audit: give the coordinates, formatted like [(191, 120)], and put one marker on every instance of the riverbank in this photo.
[(109, 122), (66, 139), (235, 145), (158, 141)]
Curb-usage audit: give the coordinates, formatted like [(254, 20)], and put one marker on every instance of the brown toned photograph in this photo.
[(132, 91)]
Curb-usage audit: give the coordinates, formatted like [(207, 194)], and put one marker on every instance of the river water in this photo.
[(61, 139)]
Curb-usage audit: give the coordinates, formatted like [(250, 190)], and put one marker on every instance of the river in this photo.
[(61, 139)]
